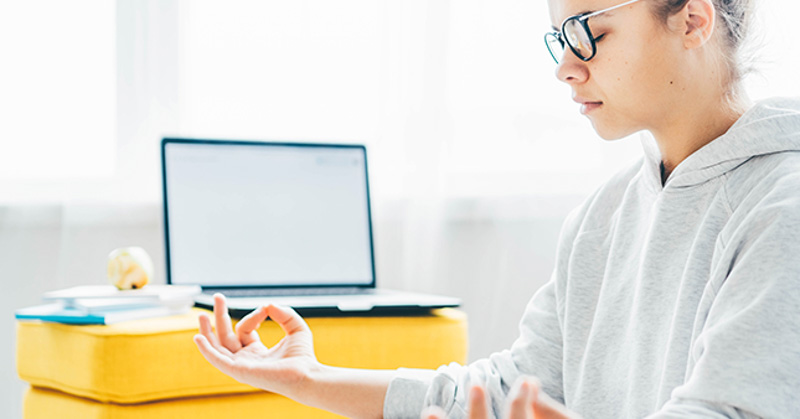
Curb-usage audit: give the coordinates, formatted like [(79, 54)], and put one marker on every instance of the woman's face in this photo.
[(632, 83)]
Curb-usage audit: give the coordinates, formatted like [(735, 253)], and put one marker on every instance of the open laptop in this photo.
[(281, 223)]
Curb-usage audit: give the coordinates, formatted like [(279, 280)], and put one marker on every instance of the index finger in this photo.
[(478, 408), (520, 400), (246, 327)]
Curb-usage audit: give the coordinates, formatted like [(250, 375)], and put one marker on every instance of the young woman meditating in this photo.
[(676, 291)]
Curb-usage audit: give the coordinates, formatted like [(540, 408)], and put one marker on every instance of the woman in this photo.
[(677, 284)]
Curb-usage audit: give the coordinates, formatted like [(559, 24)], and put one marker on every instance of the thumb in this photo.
[(545, 407), (287, 319)]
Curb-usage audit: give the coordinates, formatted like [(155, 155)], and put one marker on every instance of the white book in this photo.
[(94, 305), (109, 293)]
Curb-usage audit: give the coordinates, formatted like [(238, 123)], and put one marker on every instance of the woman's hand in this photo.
[(240, 354), (525, 401)]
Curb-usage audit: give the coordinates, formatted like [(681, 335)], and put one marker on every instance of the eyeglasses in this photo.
[(576, 33)]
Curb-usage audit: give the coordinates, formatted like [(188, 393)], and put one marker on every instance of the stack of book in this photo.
[(105, 304)]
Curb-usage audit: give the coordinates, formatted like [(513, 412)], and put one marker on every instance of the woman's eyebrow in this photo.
[(606, 14), (587, 12)]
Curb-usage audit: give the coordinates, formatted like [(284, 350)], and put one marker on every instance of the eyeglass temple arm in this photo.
[(584, 17)]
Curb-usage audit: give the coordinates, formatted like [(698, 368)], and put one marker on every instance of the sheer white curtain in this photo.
[(86, 89), (475, 156), (475, 148), (476, 152), (56, 81)]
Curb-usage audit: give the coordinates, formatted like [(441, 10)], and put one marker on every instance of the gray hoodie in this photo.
[(681, 300)]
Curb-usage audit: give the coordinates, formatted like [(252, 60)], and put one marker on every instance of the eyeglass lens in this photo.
[(576, 36), (555, 45)]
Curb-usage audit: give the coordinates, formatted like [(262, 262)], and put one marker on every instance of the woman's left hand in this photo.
[(525, 401)]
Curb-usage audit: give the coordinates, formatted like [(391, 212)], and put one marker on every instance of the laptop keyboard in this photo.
[(266, 292)]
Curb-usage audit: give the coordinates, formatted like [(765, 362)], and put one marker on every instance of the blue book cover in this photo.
[(69, 315)]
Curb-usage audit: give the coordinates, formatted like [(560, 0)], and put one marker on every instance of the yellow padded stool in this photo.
[(45, 403), (152, 367)]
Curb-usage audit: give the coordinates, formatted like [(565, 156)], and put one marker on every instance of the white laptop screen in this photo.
[(258, 214)]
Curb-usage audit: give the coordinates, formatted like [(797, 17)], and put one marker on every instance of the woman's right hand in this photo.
[(525, 401), (240, 353)]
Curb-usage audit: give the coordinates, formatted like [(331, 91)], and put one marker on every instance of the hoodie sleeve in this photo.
[(536, 352), (745, 360)]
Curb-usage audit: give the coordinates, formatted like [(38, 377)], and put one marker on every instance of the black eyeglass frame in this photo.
[(583, 19), (559, 36)]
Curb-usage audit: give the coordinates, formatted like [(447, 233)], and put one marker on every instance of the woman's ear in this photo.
[(695, 22)]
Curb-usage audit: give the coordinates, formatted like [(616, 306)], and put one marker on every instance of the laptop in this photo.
[(281, 223)]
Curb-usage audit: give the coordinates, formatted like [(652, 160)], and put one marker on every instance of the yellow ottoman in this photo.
[(45, 403), (152, 367)]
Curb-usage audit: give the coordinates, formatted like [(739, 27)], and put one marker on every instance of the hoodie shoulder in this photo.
[(771, 166), (767, 179)]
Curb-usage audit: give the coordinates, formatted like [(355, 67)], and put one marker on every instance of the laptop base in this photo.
[(336, 312)]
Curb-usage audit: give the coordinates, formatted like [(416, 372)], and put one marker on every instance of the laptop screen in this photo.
[(266, 214)]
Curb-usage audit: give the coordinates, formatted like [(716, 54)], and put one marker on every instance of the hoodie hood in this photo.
[(770, 126)]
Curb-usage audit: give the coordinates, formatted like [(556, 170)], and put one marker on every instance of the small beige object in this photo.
[(129, 268)]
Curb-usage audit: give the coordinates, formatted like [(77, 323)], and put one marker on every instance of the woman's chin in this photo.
[(609, 132)]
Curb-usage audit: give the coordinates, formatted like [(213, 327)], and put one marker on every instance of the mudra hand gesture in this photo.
[(291, 368), (241, 354), (525, 401)]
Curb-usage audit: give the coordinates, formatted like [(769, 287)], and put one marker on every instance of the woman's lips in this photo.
[(587, 107)]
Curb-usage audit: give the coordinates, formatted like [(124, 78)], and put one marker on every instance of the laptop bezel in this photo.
[(257, 143)]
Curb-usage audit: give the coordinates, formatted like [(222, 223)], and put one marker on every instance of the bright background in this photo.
[(476, 152)]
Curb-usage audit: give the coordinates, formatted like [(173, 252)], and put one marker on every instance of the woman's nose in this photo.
[(571, 69)]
